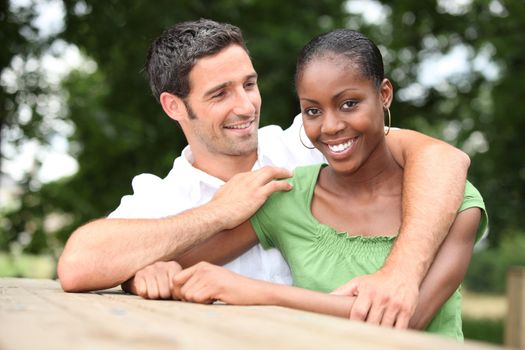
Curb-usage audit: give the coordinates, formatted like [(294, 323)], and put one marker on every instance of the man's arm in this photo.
[(433, 187), (106, 252), (154, 281), (204, 283)]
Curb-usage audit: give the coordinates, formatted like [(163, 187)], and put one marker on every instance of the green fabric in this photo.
[(323, 259)]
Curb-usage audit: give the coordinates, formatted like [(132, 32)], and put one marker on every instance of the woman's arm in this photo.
[(205, 283), (449, 267)]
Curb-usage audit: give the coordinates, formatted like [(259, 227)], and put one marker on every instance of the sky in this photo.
[(57, 63)]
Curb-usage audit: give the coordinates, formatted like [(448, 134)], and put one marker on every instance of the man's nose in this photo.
[(244, 104)]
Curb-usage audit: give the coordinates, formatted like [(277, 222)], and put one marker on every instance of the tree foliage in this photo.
[(121, 131)]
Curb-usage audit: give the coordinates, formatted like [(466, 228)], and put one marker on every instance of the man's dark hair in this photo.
[(174, 53), (355, 46)]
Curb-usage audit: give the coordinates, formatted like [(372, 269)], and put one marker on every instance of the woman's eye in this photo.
[(312, 111), (348, 104)]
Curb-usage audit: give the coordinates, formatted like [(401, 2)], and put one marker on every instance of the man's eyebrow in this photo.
[(216, 88), (251, 76)]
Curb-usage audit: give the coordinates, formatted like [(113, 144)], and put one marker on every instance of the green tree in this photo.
[(121, 131), (23, 90), (478, 110)]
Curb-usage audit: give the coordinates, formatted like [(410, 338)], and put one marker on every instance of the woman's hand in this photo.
[(205, 283)]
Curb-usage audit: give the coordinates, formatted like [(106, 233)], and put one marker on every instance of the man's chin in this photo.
[(246, 150)]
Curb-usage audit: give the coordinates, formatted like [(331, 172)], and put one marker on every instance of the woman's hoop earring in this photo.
[(301, 139), (389, 120)]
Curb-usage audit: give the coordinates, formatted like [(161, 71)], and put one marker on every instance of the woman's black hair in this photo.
[(353, 45)]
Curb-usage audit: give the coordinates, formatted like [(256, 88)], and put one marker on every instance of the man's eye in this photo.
[(219, 94)]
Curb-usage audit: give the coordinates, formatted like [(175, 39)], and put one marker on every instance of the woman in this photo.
[(341, 220)]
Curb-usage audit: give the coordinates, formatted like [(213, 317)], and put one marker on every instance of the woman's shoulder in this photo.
[(473, 199), (303, 182), (305, 175)]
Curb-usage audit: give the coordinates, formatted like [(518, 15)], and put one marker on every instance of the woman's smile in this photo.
[(340, 148)]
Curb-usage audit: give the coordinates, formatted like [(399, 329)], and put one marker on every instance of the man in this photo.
[(201, 74)]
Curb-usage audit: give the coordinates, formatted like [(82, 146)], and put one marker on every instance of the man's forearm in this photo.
[(433, 188), (106, 252)]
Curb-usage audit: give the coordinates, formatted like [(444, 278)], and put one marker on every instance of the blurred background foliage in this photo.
[(101, 111), (115, 130)]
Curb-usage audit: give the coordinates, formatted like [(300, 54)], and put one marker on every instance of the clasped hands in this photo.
[(381, 298)]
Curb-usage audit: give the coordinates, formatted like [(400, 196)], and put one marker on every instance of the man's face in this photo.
[(224, 104)]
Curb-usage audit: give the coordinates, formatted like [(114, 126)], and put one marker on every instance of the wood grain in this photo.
[(37, 314)]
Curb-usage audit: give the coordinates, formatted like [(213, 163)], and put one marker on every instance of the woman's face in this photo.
[(342, 111)]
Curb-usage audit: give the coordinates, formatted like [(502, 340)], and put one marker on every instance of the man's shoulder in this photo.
[(153, 196), (278, 131), (148, 182), (283, 147)]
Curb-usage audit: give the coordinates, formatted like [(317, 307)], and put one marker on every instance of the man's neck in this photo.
[(224, 167)]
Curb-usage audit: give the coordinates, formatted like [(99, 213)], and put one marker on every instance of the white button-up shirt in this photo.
[(186, 187)]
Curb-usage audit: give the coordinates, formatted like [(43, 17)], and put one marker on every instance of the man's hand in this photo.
[(205, 283), (154, 281), (246, 192), (385, 298)]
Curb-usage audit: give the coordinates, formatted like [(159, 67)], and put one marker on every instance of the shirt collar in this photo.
[(186, 162)]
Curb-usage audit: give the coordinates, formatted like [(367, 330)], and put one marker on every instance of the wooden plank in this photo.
[(62, 320), (215, 326), (515, 322), (37, 313)]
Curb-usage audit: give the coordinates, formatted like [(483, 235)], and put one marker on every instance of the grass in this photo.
[(483, 316), (484, 329), (25, 265)]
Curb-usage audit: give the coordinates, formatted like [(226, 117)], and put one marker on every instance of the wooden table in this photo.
[(37, 314)]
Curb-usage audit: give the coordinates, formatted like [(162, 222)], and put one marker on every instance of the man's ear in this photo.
[(173, 106)]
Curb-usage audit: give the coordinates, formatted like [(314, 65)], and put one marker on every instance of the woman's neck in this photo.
[(380, 172), (366, 202)]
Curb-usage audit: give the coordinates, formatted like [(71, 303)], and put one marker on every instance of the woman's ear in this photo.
[(173, 106), (387, 92)]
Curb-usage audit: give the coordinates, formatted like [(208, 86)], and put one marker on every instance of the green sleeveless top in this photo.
[(322, 259)]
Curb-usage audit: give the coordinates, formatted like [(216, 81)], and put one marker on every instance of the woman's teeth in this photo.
[(341, 147)]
